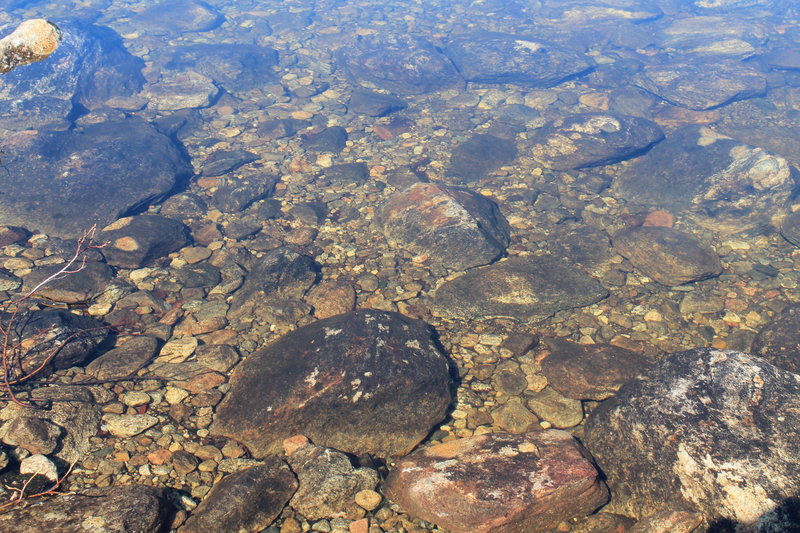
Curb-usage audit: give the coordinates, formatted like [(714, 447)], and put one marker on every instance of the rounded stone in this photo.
[(368, 499)]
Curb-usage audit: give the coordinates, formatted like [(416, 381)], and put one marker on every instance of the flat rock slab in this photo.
[(713, 36), (496, 58), (120, 509), (63, 182), (363, 382), (179, 16), (90, 66), (712, 429), (455, 228), (524, 288), (400, 64), (720, 183), (590, 371), (479, 155), (247, 500), (77, 287), (374, 104), (669, 256), (500, 483), (592, 139), (136, 241), (701, 85)]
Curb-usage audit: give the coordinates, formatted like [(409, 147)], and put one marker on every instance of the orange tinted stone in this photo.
[(159, 457), (659, 218)]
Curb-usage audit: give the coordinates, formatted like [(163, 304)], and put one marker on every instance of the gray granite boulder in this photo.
[(592, 139), (499, 483), (455, 228), (713, 430), (523, 288), (479, 155), (363, 382)]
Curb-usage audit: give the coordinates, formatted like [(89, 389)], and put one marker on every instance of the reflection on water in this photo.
[(615, 177)]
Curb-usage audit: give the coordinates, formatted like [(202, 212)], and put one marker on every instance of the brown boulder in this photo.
[(499, 482)]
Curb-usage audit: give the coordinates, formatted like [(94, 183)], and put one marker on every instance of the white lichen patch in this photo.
[(331, 332)]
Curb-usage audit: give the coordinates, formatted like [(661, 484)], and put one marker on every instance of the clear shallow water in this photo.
[(695, 127)]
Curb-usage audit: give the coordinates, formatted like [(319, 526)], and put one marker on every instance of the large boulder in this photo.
[(593, 139), (120, 509), (669, 256), (400, 64), (363, 382), (499, 483), (710, 429), (524, 288), (497, 58), (455, 228), (720, 183), (63, 182)]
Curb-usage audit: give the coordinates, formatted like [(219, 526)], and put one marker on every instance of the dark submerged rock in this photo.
[(332, 139), (236, 197), (119, 509), (247, 500), (590, 372), (363, 382), (137, 241), (500, 482), (124, 360), (523, 288), (593, 139), (78, 287), (347, 173), (669, 256), (457, 228), (223, 161), (480, 154), (400, 64), (374, 104), (57, 339), (122, 167), (279, 273), (496, 58), (710, 429)]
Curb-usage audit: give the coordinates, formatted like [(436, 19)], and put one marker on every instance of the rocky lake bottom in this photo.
[(501, 266)]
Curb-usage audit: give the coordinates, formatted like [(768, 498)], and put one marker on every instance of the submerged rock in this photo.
[(669, 256), (328, 481), (720, 183), (136, 241), (702, 85), (480, 154), (593, 139), (715, 37), (497, 58), (363, 382), (179, 16), (119, 509), (247, 500), (779, 341), (571, 13), (63, 182), (499, 483), (523, 288), (455, 228), (400, 64), (711, 429)]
